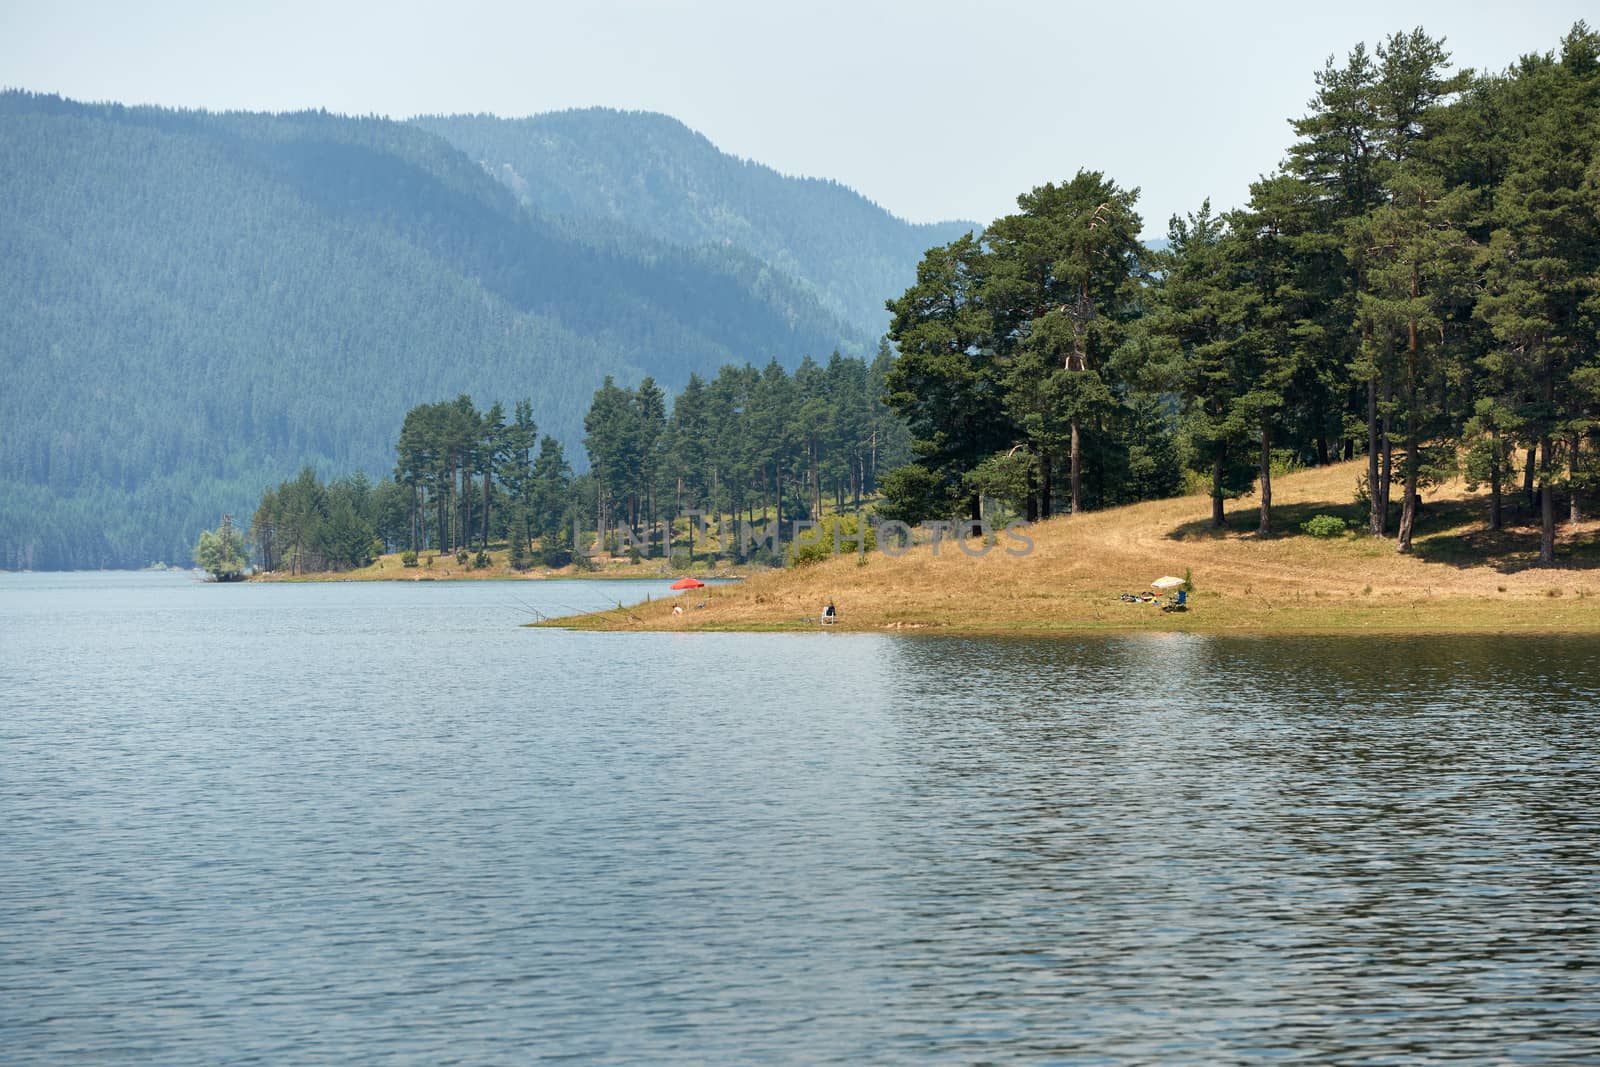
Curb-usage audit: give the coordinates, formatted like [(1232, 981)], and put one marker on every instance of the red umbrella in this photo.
[(688, 583)]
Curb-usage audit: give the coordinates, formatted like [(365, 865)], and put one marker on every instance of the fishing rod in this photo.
[(540, 616)]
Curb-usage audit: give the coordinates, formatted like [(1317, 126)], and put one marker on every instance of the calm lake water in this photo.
[(383, 823)]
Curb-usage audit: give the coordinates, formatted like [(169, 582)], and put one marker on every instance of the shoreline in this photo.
[(1460, 578), (1378, 623)]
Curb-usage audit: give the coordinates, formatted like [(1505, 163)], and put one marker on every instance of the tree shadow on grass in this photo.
[(1510, 550), (1452, 532), (1244, 519)]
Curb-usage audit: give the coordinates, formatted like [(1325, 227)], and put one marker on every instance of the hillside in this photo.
[(653, 174), (194, 305), (1459, 578)]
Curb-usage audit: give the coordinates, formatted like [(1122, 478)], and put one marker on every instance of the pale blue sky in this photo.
[(933, 109)]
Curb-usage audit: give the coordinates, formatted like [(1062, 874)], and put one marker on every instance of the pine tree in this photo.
[(1196, 331), (1062, 284), (1543, 265), (946, 381), (1419, 260)]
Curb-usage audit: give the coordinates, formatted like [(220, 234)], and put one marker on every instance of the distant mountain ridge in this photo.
[(193, 305), (656, 175)]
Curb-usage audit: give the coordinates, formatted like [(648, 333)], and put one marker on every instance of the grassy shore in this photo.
[(1459, 578)]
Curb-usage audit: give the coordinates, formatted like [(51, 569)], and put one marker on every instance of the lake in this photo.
[(385, 823)]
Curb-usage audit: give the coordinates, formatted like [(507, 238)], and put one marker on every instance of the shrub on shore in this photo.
[(1324, 526)]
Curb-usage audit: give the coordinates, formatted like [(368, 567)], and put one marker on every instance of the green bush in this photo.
[(840, 530), (222, 552), (1195, 483), (1324, 526), (461, 558), (1285, 461), (408, 558), (481, 560)]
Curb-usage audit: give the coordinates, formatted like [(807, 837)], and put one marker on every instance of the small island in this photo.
[(222, 553)]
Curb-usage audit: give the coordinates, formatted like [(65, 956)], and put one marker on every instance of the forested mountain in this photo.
[(194, 305), (655, 175)]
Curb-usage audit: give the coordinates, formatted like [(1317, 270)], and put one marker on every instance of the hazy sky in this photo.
[(933, 109)]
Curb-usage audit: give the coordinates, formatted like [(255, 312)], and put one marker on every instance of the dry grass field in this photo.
[(1458, 578)]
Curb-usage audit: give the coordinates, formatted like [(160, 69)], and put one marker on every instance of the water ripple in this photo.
[(321, 824)]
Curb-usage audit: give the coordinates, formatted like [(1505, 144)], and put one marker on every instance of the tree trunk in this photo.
[(1547, 499), (1386, 472), (486, 506), (441, 523), (1218, 465), (1376, 502), (463, 525), (1495, 519), (1099, 470), (1547, 504), (1077, 472), (816, 478), (1046, 487), (1527, 475), (1408, 506), (1574, 514), (1265, 529), (414, 509)]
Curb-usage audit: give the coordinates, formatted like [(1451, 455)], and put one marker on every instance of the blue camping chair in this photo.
[(1180, 604)]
